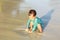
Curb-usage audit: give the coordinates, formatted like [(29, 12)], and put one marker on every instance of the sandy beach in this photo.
[(12, 20)]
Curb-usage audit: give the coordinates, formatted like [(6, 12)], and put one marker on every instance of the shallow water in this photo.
[(13, 19)]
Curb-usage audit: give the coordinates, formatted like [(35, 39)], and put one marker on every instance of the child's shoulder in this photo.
[(37, 18)]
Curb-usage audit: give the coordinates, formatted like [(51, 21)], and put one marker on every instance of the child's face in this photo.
[(31, 16)]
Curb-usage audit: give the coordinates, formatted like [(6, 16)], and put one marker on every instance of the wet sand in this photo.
[(9, 22)]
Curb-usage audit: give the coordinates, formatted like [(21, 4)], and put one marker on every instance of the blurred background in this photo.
[(14, 15)]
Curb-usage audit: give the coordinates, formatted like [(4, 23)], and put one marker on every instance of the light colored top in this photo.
[(36, 21)]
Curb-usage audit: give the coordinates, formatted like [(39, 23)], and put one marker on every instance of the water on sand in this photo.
[(11, 18)]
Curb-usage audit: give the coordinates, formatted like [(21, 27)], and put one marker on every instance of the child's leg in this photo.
[(39, 28)]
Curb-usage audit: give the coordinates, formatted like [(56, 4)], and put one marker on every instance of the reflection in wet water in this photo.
[(46, 18)]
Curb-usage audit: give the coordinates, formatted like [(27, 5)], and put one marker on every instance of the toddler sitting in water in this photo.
[(33, 22)]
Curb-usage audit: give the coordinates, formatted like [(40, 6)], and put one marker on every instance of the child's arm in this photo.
[(35, 26), (28, 22)]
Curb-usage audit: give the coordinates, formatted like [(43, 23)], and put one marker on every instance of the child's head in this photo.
[(32, 13)]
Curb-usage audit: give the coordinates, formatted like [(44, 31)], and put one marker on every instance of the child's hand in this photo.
[(26, 30)]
